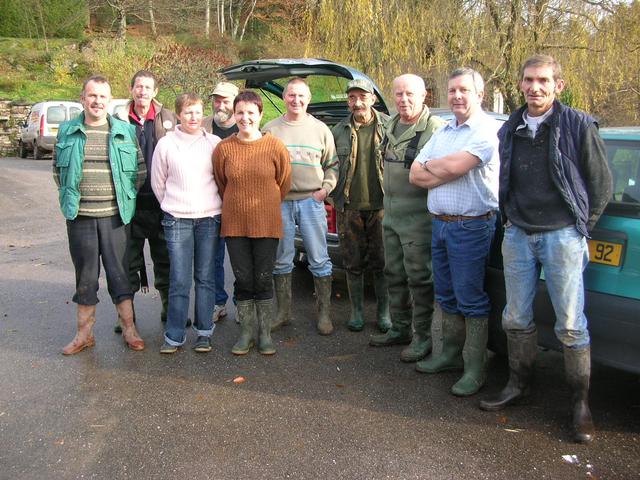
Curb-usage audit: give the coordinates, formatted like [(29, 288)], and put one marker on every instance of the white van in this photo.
[(118, 107), (38, 133)]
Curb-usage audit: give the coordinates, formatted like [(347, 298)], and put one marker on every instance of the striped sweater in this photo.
[(312, 154)]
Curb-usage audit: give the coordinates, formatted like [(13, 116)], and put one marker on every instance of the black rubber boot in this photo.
[(356, 297), (453, 335), (577, 366), (282, 287), (245, 311), (523, 347), (382, 297), (264, 311), (474, 355), (323, 302)]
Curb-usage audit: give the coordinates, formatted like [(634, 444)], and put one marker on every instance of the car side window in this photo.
[(624, 162)]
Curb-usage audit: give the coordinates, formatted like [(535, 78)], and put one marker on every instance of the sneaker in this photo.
[(202, 345), (166, 348), (219, 311)]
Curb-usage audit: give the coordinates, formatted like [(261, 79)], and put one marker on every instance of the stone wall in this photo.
[(12, 115)]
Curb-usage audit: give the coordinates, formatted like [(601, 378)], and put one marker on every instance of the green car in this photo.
[(612, 278)]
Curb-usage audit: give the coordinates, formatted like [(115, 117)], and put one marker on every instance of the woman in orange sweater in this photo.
[(253, 175)]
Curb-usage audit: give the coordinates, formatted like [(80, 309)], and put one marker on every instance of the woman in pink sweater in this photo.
[(253, 175), (182, 180)]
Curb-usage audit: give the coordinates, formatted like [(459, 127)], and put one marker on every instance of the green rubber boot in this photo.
[(356, 297), (282, 287), (323, 302), (264, 311), (398, 334), (453, 334), (474, 355), (420, 345), (245, 311), (382, 296)]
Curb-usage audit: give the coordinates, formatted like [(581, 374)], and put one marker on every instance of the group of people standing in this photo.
[(417, 203)]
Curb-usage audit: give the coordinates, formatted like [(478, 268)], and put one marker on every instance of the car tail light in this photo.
[(331, 218), (41, 125)]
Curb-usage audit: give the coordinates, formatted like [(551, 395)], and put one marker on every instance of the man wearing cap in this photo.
[(406, 226), (222, 123), (314, 172), (358, 200), (152, 121)]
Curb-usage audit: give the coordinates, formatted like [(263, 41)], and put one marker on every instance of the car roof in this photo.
[(620, 133)]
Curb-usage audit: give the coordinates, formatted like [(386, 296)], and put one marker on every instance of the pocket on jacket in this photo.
[(128, 157), (63, 154)]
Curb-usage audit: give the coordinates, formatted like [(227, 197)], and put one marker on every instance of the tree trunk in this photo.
[(246, 20), (152, 20), (207, 18)]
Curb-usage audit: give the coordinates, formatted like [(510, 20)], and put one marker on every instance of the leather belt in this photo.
[(457, 218)]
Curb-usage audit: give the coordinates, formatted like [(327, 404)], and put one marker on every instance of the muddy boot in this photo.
[(523, 347), (85, 318), (420, 345), (118, 326), (282, 287), (474, 355), (264, 312), (398, 334), (323, 302), (382, 297), (356, 297), (129, 333), (245, 312), (577, 366), (453, 334)]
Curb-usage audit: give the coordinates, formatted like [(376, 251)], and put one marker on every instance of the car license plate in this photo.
[(605, 252)]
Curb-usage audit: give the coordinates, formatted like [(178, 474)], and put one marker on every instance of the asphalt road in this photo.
[(322, 407)]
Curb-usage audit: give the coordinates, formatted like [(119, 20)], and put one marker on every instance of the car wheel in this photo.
[(22, 150), (37, 154)]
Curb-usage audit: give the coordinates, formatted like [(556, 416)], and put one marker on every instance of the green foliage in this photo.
[(43, 18)]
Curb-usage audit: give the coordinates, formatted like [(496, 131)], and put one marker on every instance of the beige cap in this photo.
[(225, 89), (360, 84)]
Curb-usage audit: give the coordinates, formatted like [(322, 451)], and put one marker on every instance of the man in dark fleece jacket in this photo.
[(554, 185)]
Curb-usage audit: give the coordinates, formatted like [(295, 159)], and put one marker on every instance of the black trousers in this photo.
[(92, 239), (252, 261)]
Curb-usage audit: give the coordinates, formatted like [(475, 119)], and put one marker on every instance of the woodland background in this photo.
[(47, 47)]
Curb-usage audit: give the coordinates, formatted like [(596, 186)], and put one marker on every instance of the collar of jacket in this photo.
[(116, 127)]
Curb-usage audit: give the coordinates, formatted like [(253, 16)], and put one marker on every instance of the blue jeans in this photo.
[(459, 254), (311, 218), (191, 243), (563, 254), (221, 294)]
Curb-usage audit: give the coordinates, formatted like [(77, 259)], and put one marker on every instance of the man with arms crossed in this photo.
[(314, 172), (97, 165), (554, 185), (460, 167), (406, 226), (152, 121)]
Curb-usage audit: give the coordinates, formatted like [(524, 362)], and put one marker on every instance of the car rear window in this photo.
[(56, 114), (74, 112), (624, 161)]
